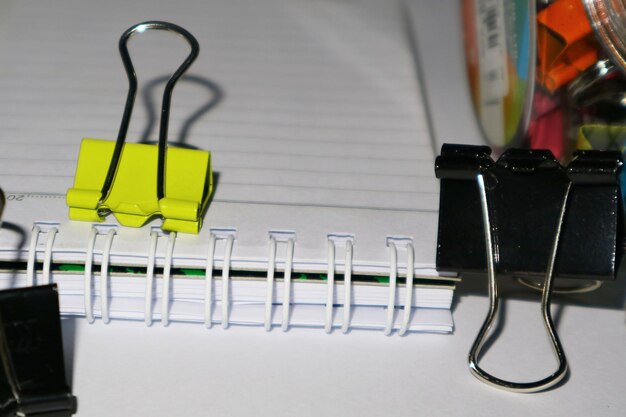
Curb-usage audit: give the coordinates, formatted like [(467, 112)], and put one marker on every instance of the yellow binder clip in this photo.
[(135, 181)]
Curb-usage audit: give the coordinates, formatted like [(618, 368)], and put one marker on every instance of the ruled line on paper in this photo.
[(321, 106), (350, 138), (366, 157)]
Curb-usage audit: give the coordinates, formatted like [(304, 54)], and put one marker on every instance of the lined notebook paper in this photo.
[(314, 118)]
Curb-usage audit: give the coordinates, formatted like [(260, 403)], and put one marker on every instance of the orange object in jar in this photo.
[(566, 43)]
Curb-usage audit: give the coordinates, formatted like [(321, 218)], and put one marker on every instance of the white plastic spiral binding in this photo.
[(208, 284), (347, 283), (407, 244), (104, 271), (393, 274), (228, 235), (149, 298), (32, 254), (91, 243), (333, 240), (289, 239), (408, 299), (218, 234), (167, 269), (104, 276), (51, 230), (225, 282), (47, 258), (269, 295), (287, 285), (330, 294)]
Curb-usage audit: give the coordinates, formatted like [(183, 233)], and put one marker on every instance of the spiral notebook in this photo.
[(320, 142)]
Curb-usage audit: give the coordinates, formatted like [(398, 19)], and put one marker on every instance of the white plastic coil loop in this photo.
[(269, 295), (104, 276), (32, 255), (208, 283), (393, 274), (225, 281), (167, 269), (87, 282), (47, 257), (287, 285), (347, 283), (149, 298), (408, 299), (330, 283)]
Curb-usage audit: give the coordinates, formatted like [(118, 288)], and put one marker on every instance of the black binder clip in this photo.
[(526, 215), (32, 381)]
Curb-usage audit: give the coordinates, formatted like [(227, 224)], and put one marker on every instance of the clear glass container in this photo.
[(548, 74)]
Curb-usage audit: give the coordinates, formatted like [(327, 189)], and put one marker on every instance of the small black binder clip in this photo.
[(527, 215), (32, 381)]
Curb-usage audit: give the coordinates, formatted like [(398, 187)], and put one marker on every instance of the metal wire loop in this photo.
[(494, 300), (570, 289), (130, 100)]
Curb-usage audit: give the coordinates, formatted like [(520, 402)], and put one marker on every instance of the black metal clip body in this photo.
[(32, 377), (525, 190), (525, 214)]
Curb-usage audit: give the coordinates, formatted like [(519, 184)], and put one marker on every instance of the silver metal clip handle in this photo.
[(132, 92), (494, 301)]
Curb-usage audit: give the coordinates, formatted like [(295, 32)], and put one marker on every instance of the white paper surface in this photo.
[(319, 127)]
